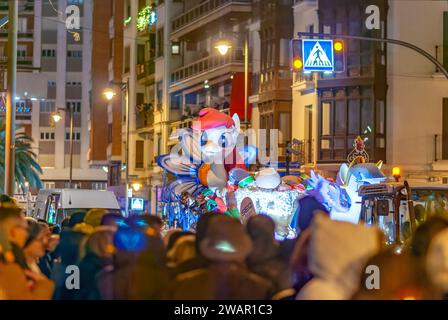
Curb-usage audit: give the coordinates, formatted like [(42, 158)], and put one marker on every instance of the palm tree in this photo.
[(26, 167)]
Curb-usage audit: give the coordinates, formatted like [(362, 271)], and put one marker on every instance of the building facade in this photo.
[(58, 78), (389, 95), (174, 69)]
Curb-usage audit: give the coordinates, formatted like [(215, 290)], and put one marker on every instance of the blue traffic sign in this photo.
[(137, 204), (318, 55)]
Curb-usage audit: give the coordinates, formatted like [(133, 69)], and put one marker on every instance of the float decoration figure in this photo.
[(341, 197)]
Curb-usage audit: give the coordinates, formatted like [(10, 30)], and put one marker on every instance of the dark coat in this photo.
[(220, 281), (89, 268), (136, 275)]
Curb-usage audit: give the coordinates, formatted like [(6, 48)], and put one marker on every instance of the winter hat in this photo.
[(183, 249), (210, 118), (261, 230), (76, 218), (260, 225), (112, 219), (94, 217), (225, 240), (437, 261), (338, 252)]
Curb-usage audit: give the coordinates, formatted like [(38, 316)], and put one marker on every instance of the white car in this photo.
[(54, 205)]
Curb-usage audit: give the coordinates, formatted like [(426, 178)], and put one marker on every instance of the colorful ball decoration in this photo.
[(268, 178)]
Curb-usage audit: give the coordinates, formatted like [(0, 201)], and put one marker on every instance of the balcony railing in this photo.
[(202, 10), (206, 65), (20, 60), (23, 106), (145, 69), (20, 33), (26, 6), (145, 117)]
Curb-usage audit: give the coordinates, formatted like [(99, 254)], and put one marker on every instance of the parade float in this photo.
[(208, 172)]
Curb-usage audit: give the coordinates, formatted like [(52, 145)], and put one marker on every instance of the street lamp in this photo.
[(56, 117), (223, 47), (136, 186), (109, 94)]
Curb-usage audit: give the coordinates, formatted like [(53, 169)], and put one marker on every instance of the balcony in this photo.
[(145, 69), (24, 6), (24, 108), (207, 68), (21, 34), (21, 61), (205, 13), (144, 116)]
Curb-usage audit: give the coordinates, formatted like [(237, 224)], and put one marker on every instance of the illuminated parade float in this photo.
[(209, 173)]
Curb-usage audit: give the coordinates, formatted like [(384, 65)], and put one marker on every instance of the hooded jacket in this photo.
[(140, 275), (337, 253)]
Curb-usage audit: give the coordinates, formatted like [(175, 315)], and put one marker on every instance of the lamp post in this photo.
[(109, 94), (223, 48), (56, 116), (10, 98)]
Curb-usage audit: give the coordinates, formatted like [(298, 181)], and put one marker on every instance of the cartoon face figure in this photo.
[(217, 134), (217, 143)]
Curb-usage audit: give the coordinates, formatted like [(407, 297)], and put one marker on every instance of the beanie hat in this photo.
[(210, 118), (225, 240), (94, 217)]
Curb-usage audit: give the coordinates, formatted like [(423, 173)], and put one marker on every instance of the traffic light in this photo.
[(339, 55), (296, 55)]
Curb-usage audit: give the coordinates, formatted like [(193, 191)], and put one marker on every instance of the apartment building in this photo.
[(174, 69), (331, 109), (390, 95), (58, 78)]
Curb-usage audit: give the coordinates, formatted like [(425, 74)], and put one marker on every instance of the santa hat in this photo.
[(210, 118)]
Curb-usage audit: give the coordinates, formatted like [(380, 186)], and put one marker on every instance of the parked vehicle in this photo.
[(54, 205), (398, 209)]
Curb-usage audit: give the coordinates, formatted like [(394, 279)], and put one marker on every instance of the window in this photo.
[(141, 54), (46, 136), (49, 53), (139, 154), (74, 54), (51, 83), (76, 136), (175, 48), (21, 53), (159, 91), (47, 106), (343, 115), (49, 185), (127, 59), (74, 84), (22, 25), (99, 185), (159, 41), (176, 101), (75, 105)]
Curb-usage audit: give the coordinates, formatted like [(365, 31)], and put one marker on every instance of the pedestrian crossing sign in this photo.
[(318, 55)]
